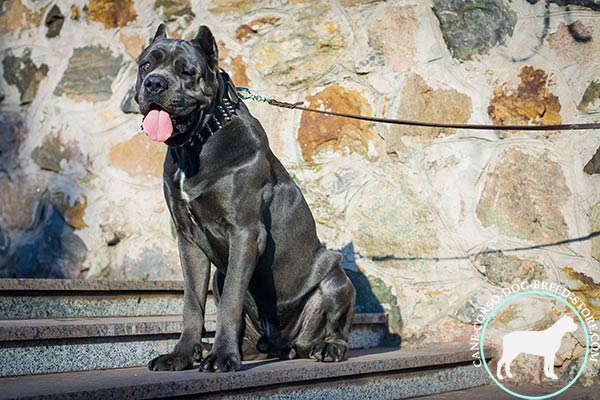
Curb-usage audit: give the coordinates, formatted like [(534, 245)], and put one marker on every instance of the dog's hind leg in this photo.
[(501, 363), (509, 361), (325, 321)]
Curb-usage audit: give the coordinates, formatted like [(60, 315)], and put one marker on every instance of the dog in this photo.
[(540, 343), (280, 292)]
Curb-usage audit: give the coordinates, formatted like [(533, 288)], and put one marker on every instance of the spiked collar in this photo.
[(219, 112)]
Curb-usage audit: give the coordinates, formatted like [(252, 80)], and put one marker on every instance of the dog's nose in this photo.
[(155, 84)]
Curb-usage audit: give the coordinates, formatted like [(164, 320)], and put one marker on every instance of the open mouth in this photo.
[(158, 124)]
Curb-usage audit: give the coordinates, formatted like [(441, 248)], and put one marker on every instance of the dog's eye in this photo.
[(188, 72), (145, 67)]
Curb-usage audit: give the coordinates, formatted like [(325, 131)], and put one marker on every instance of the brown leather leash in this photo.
[(245, 94)]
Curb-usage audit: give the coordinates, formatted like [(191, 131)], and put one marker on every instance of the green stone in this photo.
[(90, 74)]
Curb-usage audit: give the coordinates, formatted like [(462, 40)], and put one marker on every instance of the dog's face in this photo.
[(177, 80), (568, 324)]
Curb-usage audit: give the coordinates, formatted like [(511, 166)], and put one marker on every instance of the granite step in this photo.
[(65, 298), (43, 346), (381, 373)]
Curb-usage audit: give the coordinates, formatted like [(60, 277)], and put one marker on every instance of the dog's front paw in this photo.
[(170, 362), (221, 361), (328, 351)]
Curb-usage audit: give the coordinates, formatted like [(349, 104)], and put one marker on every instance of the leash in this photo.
[(245, 94)]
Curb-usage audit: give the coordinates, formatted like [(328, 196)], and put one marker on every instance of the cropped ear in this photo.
[(161, 33), (206, 41)]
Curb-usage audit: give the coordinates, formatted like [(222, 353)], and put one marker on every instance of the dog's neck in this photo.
[(218, 114)]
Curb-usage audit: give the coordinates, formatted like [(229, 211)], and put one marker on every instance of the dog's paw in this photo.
[(219, 361), (170, 362), (328, 352)]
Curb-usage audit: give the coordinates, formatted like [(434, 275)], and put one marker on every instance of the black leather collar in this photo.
[(219, 113)]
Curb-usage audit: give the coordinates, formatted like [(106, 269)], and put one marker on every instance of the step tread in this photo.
[(142, 383), (71, 328), (74, 285)]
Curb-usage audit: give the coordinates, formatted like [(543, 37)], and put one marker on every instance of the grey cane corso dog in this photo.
[(280, 293)]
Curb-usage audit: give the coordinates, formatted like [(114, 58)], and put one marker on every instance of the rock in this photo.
[(245, 31), (52, 151), (49, 250), (590, 101), (134, 44), (319, 131), (393, 36), (374, 62), (374, 296), (467, 314), (351, 3), (473, 27), (593, 166), (75, 14), (523, 198), (302, 49), (503, 270), (580, 32), (585, 288), (89, 75), (4, 244), (231, 6), (5, 272), (14, 131), (19, 200), (111, 14), (23, 73), (169, 10), (366, 301), (54, 22), (530, 103), (594, 218), (138, 156), (234, 65), (388, 300), (72, 210), (420, 102), (151, 262), (593, 4), (15, 16), (393, 225), (128, 104), (568, 49)]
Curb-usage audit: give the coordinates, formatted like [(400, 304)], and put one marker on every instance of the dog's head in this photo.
[(567, 324), (176, 83)]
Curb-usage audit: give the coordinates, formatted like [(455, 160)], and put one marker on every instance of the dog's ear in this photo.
[(206, 41), (161, 32)]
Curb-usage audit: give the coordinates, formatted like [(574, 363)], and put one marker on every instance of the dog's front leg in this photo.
[(196, 273), (243, 254)]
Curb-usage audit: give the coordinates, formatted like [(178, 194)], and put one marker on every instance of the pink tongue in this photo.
[(157, 125)]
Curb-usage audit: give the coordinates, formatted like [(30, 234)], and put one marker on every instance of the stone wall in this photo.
[(437, 220)]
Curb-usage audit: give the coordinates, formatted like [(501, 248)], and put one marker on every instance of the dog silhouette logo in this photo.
[(540, 343)]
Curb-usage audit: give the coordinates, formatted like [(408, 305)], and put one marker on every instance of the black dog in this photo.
[(279, 291)]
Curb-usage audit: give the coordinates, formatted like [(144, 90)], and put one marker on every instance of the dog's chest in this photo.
[(180, 186), (198, 219)]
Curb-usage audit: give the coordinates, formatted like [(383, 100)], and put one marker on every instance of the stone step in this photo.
[(65, 298), (376, 373), (41, 346)]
